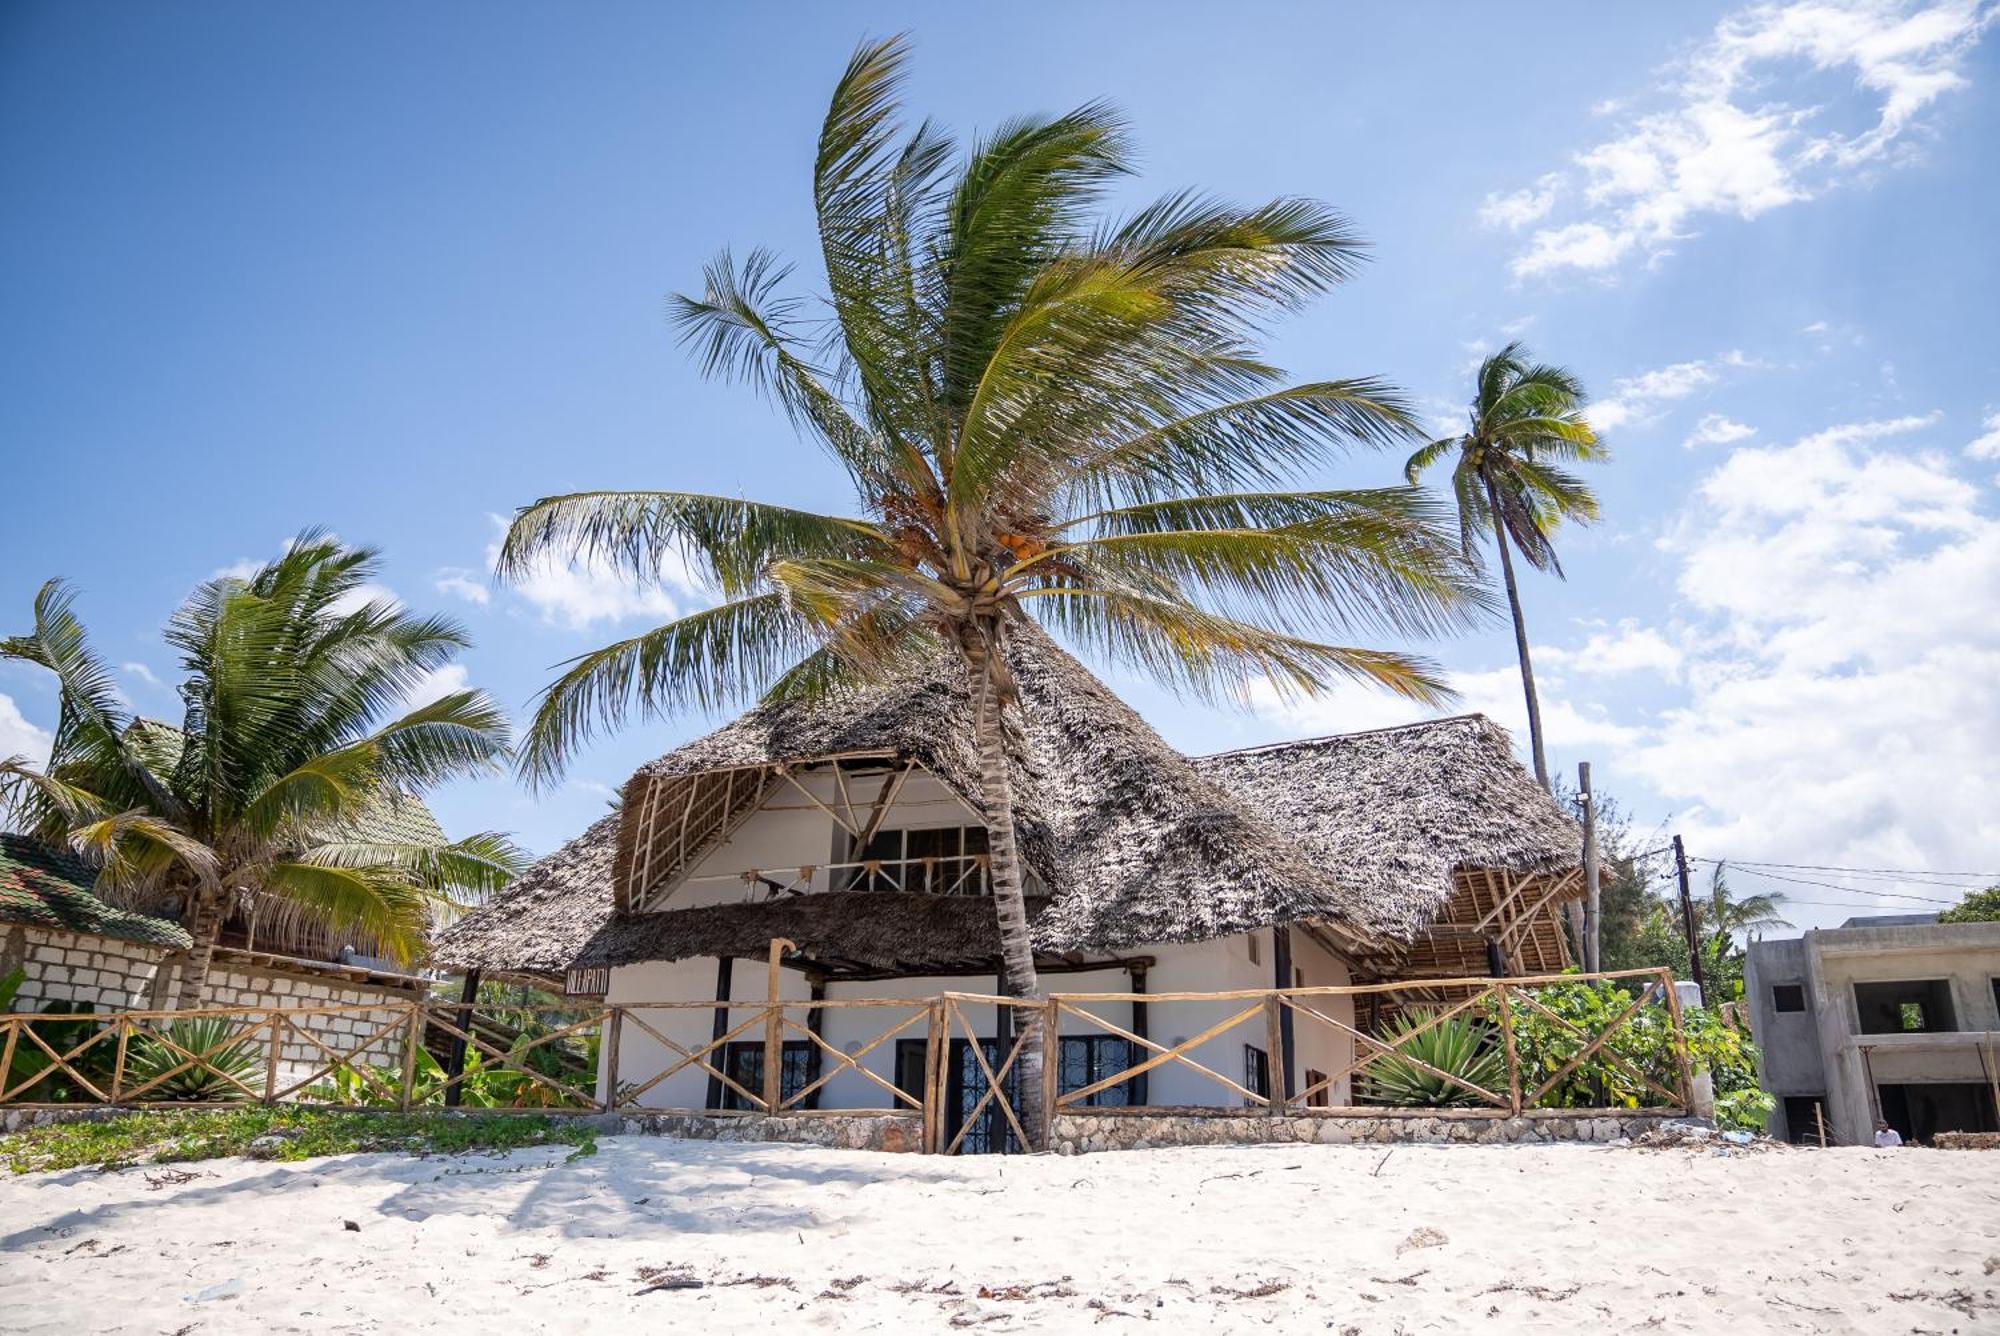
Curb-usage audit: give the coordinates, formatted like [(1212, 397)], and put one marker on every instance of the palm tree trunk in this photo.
[(204, 926), (1520, 639), (1017, 955)]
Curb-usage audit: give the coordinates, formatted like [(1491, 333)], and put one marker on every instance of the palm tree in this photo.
[(1723, 916), (1041, 418), (255, 800), (1525, 420)]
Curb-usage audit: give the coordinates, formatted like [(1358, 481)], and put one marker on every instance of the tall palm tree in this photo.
[(1526, 420), (1041, 416), (294, 732)]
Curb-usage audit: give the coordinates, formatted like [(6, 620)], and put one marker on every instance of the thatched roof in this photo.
[(1396, 810), (1133, 842), (883, 932), (545, 917)]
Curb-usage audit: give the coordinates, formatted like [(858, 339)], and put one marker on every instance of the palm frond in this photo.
[(707, 660), (729, 540)]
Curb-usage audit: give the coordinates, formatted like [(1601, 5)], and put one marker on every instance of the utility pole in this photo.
[(1593, 959), (1687, 917)]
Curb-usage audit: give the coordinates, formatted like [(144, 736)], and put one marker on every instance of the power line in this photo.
[(1833, 886), (1866, 871)]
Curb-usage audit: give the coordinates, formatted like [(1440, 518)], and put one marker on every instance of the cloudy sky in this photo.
[(397, 271)]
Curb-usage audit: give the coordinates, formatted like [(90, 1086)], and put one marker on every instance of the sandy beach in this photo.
[(695, 1236)]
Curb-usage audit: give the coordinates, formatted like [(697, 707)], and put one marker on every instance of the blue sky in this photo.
[(397, 270)]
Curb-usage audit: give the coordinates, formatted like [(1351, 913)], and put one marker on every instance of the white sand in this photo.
[(1300, 1238)]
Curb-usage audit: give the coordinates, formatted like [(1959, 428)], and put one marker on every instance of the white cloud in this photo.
[(1348, 707), (1715, 429), (579, 595), (18, 737), (1626, 648), (1515, 211), (1738, 132), (462, 582), (143, 673), (1641, 398), (437, 684), (1987, 444)]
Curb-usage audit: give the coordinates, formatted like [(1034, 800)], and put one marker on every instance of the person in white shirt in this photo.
[(1887, 1136)]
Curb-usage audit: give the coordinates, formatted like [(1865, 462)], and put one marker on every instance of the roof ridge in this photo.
[(1467, 717)]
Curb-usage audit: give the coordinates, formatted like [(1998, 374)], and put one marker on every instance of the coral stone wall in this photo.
[(885, 1132), (104, 972)]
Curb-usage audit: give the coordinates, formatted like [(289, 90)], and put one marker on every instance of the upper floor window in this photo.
[(1919, 1006), (937, 860), (1788, 997)]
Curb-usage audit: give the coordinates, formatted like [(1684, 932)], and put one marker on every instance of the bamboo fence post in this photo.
[(607, 1056), (1681, 1057), (1277, 1064), (413, 1039), (1051, 1069), (271, 1049), (938, 1062), (774, 1026), (1819, 1116), (117, 1063), (7, 1054), (1513, 1058)]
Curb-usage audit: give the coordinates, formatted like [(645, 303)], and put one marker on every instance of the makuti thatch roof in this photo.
[(1397, 810), (1133, 842)]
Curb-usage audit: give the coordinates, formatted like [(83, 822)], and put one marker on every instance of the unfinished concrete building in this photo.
[(1894, 1017)]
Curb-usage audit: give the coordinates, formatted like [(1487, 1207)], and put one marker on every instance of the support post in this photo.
[(1281, 968), (1135, 1089), (1681, 1059), (724, 968), (1819, 1116), (1274, 1040), (1687, 918), (936, 1042), (1592, 906), (413, 1039), (774, 1026), (614, 1029), (1051, 1072), (815, 1021), (1507, 1040), (454, 1067)]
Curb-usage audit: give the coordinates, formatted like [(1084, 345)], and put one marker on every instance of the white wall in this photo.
[(1200, 967)]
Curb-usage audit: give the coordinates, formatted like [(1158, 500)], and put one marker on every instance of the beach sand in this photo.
[(670, 1235)]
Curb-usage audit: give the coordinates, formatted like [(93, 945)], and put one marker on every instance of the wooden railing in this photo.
[(1544, 1045)]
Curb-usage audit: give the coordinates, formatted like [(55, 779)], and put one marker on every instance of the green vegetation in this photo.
[(186, 1040), (1976, 907), (280, 1133), (1525, 422), (1463, 1046), (1469, 1046), (1045, 416), (289, 744)]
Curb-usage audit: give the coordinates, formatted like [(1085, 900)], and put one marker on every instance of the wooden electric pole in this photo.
[(1593, 959), (1687, 918)]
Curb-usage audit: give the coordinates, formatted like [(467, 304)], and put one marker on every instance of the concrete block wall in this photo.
[(112, 975)]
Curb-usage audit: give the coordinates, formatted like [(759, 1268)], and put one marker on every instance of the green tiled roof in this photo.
[(51, 888)]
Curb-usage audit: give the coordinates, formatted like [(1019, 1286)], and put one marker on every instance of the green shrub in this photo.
[(1463, 1046), (147, 1058)]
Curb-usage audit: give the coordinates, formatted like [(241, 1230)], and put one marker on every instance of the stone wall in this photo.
[(1082, 1134), (883, 1132)]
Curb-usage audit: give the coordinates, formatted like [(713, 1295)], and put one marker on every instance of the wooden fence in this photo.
[(1625, 1050)]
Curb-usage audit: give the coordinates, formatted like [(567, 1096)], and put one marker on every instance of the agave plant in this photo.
[(216, 1075), (1461, 1046)]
